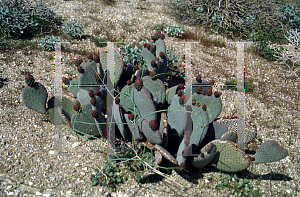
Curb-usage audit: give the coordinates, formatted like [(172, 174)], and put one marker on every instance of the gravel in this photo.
[(27, 168)]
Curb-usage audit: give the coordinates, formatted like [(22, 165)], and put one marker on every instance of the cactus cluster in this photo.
[(146, 112)]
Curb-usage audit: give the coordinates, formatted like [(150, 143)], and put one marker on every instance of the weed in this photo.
[(231, 85)]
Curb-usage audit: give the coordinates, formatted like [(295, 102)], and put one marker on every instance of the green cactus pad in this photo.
[(229, 136), (270, 151), (126, 102), (160, 47), (83, 96), (87, 124), (148, 58), (145, 108), (228, 158), (170, 93), (101, 100), (213, 104), (215, 131), (87, 79), (180, 158), (73, 87), (136, 134), (67, 106), (200, 162), (125, 76), (177, 116), (200, 125), (156, 87), (63, 116), (35, 97), (154, 137), (142, 72), (250, 132), (118, 116)]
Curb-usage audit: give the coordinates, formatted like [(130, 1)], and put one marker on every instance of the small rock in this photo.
[(76, 164), (38, 193), (10, 193), (30, 183), (75, 144), (69, 192)]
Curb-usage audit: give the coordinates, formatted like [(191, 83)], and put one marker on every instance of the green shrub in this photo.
[(290, 15), (73, 29), (48, 42)]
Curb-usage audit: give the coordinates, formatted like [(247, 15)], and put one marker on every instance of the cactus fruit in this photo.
[(117, 100), (91, 94), (94, 113), (96, 58), (93, 101), (131, 116), (90, 56), (138, 84), (80, 69), (179, 93), (153, 125), (29, 79), (77, 107)]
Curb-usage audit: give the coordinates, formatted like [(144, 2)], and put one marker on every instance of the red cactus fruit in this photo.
[(154, 53), (117, 100), (194, 102), (29, 79), (128, 82), (97, 92), (96, 58), (153, 74), (209, 92), (181, 86), (130, 116), (93, 101), (198, 90), (152, 38), (138, 84), (202, 155), (204, 107), (23, 87), (80, 60), (153, 125), (179, 92), (157, 59), (203, 92), (80, 69), (153, 64), (162, 36), (90, 56), (91, 93), (153, 47), (76, 107), (70, 78), (161, 55), (217, 94), (94, 113), (198, 79), (212, 82), (182, 165)]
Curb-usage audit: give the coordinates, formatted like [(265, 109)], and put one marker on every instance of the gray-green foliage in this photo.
[(171, 57), (73, 29), (132, 55), (174, 31), (48, 42), (15, 24), (290, 15)]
